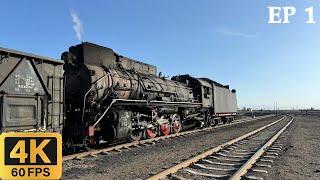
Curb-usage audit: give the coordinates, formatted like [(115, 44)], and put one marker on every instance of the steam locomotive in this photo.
[(105, 97)]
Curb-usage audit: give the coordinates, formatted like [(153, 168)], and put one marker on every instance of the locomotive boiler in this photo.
[(112, 98)]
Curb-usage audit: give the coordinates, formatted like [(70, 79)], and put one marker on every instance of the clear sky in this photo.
[(228, 41)]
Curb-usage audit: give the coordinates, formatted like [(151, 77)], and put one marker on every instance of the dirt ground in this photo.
[(137, 163), (301, 156)]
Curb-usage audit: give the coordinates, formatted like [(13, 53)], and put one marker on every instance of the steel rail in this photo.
[(120, 146), (244, 169), (188, 162)]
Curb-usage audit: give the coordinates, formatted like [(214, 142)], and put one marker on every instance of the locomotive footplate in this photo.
[(125, 102)]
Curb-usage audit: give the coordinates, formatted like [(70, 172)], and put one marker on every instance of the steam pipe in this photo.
[(85, 96)]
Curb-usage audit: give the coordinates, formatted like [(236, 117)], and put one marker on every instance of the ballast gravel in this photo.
[(300, 158)]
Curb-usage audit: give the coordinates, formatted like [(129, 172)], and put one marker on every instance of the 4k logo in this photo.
[(30, 156), (27, 151)]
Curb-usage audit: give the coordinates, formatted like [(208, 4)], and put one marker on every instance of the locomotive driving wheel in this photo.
[(215, 122), (151, 131), (176, 126), (135, 135), (68, 147), (88, 145), (165, 129), (224, 120)]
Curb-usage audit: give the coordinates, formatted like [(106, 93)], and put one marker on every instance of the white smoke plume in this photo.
[(77, 24), (226, 32)]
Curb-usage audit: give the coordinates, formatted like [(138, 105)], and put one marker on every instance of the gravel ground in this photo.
[(139, 162), (301, 156)]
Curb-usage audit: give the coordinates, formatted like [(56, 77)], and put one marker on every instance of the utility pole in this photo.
[(276, 108)]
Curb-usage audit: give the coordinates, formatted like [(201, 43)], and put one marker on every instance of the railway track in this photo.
[(248, 154), (127, 146)]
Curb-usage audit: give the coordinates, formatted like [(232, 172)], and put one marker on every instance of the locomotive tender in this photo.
[(104, 97)]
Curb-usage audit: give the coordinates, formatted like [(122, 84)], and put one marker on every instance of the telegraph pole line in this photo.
[(276, 108)]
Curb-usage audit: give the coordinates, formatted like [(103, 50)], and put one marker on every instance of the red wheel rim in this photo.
[(151, 132), (176, 126), (165, 129)]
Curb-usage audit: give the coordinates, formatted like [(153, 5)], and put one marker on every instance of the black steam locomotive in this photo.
[(105, 97), (113, 98)]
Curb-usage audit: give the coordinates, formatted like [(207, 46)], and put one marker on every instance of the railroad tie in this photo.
[(272, 157), (272, 153), (220, 163), (118, 150), (126, 147), (79, 158), (242, 150), (273, 150), (266, 160), (231, 156), (105, 152), (259, 171), (201, 166), (204, 174), (263, 165), (93, 155), (226, 159), (278, 149), (254, 178), (237, 152)]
